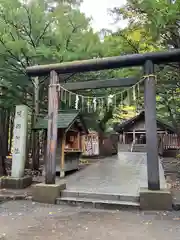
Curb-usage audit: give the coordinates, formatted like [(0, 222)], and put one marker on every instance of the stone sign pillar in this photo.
[(20, 141), (17, 180)]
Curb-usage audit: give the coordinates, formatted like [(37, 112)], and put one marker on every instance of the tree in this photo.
[(160, 19), (39, 32), (168, 102), (32, 34), (132, 39), (124, 113)]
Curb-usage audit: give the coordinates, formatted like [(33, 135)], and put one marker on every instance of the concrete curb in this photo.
[(4, 198)]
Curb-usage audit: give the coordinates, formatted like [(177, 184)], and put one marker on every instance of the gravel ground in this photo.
[(27, 220)]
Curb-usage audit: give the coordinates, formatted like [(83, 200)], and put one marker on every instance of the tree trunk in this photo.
[(11, 127), (7, 126), (35, 134), (101, 138), (27, 164), (178, 137), (3, 142), (3, 171)]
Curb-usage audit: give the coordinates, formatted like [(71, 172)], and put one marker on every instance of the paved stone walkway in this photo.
[(123, 175), (25, 220)]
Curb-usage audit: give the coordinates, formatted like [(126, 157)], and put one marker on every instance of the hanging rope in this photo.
[(95, 102)]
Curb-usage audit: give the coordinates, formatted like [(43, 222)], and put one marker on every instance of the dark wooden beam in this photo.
[(97, 84), (151, 128), (105, 63), (53, 96)]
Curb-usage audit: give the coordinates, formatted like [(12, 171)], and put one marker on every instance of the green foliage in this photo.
[(123, 113), (159, 20), (40, 32), (133, 39)]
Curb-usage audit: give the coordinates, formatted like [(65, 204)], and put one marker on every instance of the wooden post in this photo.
[(62, 172), (124, 138), (134, 135), (83, 144), (78, 140), (53, 98), (151, 128)]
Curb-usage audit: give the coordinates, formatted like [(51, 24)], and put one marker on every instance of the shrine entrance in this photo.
[(147, 61)]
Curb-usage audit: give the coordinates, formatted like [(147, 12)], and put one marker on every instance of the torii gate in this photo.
[(147, 61)]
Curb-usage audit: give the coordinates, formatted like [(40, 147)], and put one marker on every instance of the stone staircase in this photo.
[(98, 200), (139, 148)]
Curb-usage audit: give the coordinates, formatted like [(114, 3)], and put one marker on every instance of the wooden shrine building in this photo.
[(70, 129), (134, 131)]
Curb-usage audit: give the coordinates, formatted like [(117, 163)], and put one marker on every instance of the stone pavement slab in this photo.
[(122, 175), (118, 175)]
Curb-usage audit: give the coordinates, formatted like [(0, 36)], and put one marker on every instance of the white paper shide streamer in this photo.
[(92, 103), (95, 104), (110, 100), (77, 102)]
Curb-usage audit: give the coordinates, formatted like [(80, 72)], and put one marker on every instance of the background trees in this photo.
[(159, 24), (40, 31)]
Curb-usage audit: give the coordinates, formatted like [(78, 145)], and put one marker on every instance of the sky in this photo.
[(98, 10)]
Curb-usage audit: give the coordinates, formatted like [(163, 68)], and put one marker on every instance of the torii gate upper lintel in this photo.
[(130, 60), (147, 60)]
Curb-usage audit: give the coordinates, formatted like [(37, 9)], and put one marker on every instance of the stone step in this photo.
[(139, 148), (96, 203), (99, 196), (98, 200)]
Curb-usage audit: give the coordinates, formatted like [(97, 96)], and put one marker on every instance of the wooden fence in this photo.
[(171, 141)]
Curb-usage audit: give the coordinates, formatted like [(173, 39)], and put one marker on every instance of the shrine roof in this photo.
[(124, 126), (64, 120)]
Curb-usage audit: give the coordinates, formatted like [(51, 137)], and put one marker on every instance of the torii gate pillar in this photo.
[(151, 127)]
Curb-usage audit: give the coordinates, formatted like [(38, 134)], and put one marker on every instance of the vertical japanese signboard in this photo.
[(91, 144), (20, 139)]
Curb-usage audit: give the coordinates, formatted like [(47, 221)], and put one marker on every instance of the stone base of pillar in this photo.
[(155, 200), (15, 183), (47, 193)]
